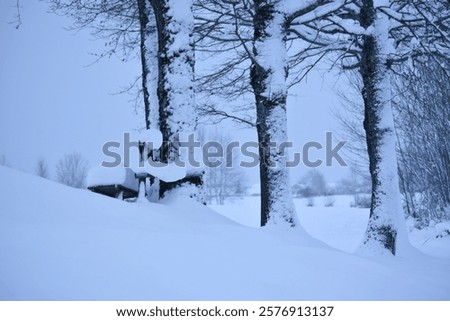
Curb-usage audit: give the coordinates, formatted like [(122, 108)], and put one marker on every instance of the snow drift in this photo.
[(60, 243)]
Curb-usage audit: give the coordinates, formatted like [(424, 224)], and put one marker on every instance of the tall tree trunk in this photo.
[(386, 214), (144, 24), (268, 79), (149, 63), (177, 113)]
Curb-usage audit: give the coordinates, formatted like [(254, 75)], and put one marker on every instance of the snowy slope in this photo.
[(59, 243)]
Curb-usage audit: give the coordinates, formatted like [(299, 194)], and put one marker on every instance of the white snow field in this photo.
[(60, 243)]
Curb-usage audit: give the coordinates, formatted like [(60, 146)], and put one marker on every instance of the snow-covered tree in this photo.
[(381, 35), (394, 31), (162, 33), (175, 90), (269, 83), (255, 36), (148, 55), (386, 213), (420, 100)]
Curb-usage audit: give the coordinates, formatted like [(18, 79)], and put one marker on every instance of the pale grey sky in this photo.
[(51, 102)]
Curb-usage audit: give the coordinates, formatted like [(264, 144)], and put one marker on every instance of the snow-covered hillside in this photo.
[(59, 243)]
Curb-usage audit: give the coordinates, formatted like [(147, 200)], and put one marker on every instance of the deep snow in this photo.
[(59, 243)]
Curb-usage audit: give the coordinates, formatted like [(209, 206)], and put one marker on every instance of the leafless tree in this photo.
[(71, 170), (422, 109), (388, 34), (420, 104), (223, 178), (41, 169), (4, 161), (240, 33)]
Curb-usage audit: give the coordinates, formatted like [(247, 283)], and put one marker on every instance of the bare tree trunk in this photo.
[(268, 79), (386, 214), (144, 24)]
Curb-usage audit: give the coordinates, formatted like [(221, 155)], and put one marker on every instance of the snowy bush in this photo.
[(442, 229)]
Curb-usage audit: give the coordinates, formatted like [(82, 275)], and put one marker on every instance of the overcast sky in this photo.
[(52, 102)]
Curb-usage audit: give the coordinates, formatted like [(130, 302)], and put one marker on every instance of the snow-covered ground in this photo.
[(340, 226), (59, 243)]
